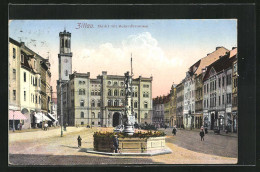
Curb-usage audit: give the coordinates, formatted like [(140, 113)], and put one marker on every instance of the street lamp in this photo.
[(13, 120)]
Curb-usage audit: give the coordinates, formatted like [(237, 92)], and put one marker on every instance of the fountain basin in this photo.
[(130, 144)]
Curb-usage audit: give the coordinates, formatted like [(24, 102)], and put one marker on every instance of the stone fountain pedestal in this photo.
[(131, 146)]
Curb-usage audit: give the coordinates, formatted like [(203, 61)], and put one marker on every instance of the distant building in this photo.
[(158, 111)]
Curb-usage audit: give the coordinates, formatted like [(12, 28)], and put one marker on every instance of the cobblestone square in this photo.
[(48, 148)]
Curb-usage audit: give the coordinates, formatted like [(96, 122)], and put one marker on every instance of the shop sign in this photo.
[(228, 110)]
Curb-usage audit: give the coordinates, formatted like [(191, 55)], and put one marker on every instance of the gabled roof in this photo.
[(223, 63), (210, 58)]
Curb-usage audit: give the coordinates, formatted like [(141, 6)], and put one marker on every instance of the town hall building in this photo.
[(98, 101)]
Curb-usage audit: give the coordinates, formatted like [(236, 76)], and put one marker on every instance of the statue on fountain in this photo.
[(130, 119)]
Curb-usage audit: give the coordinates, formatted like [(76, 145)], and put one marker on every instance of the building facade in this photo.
[(173, 106), (217, 95), (64, 70), (179, 104), (158, 112), (234, 93), (100, 102), (25, 81), (189, 115)]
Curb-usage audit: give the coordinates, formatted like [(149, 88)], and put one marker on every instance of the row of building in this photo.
[(29, 90), (207, 96), (99, 101)]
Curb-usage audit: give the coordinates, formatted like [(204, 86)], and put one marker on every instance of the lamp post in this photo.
[(13, 120)]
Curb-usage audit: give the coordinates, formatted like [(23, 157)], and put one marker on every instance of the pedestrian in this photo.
[(79, 141), (206, 130), (115, 143), (174, 130), (201, 135), (46, 126), (18, 126)]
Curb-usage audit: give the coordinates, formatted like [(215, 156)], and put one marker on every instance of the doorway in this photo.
[(116, 119)]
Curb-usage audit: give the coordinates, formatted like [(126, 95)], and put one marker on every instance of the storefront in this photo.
[(234, 121), (206, 119), (16, 120), (198, 120), (221, 120), (40, 119)]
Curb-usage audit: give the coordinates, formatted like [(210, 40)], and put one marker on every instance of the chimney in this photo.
[(208, 54), (217, 48), (234, 48)]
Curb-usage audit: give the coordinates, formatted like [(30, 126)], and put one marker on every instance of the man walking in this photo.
[(174, 130), (79, 141), (116, 143), (202, 135)]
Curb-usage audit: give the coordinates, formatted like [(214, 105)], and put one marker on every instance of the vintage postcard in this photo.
[(128, 91)]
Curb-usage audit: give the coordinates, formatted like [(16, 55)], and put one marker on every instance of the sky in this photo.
[(164, 49)]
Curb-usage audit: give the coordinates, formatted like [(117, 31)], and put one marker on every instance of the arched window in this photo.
[(109, 102), (62, 43), (92, 92), (145, 115), (121, 92), (93, 103), (66, 43), (145, 105), (135, 104), (66, 72), (115, 92), (82, 114), (135, 115), (92, 115), (109, 92), (83, 92), (99, 115), (135, 94), (98, 104), (96, 93), (82, 103), (99, 93), (80, 92), (116, 103)]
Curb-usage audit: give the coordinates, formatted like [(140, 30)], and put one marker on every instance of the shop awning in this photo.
[(52, 117), (41, 117), (16, 115)]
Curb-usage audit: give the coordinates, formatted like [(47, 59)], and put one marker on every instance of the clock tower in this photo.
[(65, 56), (65, 69)]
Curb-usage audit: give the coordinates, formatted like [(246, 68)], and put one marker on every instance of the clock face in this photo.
[(66, 60)]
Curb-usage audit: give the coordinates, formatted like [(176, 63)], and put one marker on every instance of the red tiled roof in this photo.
[(222, 64), (210, 58)]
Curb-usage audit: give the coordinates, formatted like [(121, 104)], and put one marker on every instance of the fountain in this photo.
[(130, 143)]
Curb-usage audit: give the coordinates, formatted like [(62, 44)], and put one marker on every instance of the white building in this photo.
[(190, 86)]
